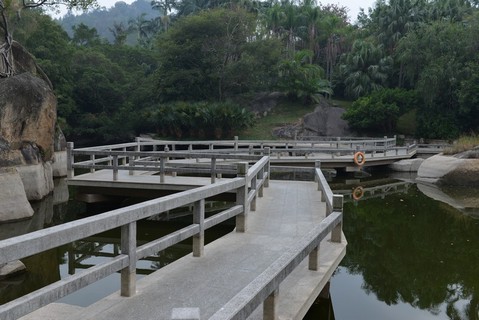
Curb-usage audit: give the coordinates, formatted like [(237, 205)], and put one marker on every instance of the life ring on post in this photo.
[(358, 193), (359, 158)]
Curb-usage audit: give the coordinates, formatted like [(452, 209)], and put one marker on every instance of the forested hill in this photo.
[(106, 20)]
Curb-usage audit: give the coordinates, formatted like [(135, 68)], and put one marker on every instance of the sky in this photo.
[(353, 5)]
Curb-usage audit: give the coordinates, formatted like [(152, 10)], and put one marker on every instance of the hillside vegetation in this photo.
[(189, 69)]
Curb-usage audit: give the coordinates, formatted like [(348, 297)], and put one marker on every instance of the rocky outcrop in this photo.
[(449, 170), (27, 120), (14, 204), (28, 111), (324, 121)]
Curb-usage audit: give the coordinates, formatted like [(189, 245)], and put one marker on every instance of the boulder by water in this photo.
[(324, 121), (449, 170), (28, 114)]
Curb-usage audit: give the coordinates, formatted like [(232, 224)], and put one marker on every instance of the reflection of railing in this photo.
[(364, 193), (248, 185)]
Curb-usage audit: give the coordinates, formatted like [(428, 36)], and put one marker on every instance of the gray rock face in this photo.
[(27, 136), (448, 170), (13, 200), (324, 121), (27, 120)]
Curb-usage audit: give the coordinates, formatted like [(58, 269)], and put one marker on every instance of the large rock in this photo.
[(324, 121), (37, 180), (449, 170), (27, 120), (13, 201)]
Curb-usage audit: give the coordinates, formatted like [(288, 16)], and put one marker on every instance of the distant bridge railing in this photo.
[(248, 185), (162, 155), (265, 288)]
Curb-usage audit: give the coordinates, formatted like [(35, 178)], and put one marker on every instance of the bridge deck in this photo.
[(288, 210)]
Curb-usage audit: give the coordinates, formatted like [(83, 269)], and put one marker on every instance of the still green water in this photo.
[(409, 257)]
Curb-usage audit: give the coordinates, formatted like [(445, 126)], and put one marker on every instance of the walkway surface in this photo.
[(288, 210)]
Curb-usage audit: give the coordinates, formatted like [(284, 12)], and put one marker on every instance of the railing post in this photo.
[(337, 207), (313, 260), (123, 159), (267, 152), (270, 306), (162, 169), (254, 185), (128, 247), (261, 177), (317, 165), (115, 167), (131, 164), (242, 198), (236, 143), (92, 159), (199, 219), (213, 170), (138, 144), (70, 160)]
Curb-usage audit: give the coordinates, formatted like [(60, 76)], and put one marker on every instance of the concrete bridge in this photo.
[(286, 244)]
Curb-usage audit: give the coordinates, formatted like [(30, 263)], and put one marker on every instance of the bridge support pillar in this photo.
[(270, 306)]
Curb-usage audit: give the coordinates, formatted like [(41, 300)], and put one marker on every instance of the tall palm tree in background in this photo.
[(365, 68)]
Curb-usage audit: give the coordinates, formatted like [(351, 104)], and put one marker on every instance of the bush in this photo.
[(201, 119), (380, 111)]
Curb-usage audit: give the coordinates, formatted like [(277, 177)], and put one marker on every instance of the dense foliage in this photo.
[(401, 56)]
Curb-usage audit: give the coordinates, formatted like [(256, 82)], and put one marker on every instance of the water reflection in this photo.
[(408, 257)]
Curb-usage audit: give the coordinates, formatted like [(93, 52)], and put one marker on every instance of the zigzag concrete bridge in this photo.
[(286, 245)]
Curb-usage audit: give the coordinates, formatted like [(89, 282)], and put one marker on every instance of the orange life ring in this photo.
[(358, 193), (359, 158)]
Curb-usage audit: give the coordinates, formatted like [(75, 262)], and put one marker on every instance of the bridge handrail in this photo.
[(39, 241), (265, 287), (267, 283), (236, 143)]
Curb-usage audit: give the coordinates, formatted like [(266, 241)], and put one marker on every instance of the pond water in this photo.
[(409, 256)]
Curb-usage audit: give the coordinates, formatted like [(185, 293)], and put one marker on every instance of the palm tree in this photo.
[(365, 68)]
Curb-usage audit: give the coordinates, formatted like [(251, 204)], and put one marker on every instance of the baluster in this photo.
[(128, 247), (199, 219)]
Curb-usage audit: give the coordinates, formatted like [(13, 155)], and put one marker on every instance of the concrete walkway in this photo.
[(288, 210)]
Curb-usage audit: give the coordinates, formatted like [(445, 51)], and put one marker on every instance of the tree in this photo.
[(8, 8), (85, 36), (199, 52), (302, 79), (379, 112), (365, 68)]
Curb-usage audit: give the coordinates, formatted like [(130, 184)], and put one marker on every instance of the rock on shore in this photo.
[(449, 170)]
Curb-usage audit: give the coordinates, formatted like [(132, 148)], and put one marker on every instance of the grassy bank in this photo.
[(462, 144)]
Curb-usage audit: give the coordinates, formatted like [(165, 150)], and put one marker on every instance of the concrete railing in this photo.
[(265, 288), (248, 185), (160, 155), (164, 162)]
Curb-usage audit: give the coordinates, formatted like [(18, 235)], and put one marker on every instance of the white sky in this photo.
[(353, 5)]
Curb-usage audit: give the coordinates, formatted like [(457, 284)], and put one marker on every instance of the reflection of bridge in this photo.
[(362, 193), (278, 225)]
